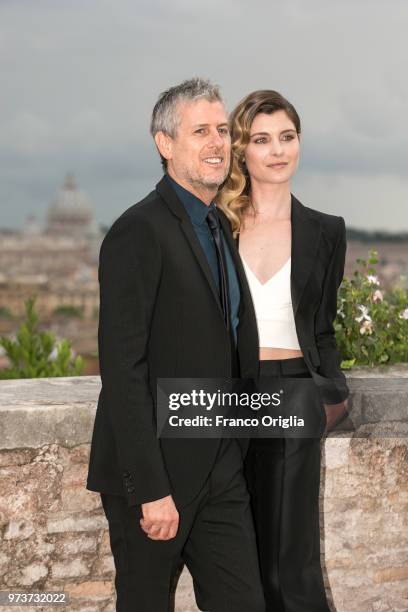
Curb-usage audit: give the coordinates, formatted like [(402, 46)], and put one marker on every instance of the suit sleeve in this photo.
[(129, 277), (325, 316)]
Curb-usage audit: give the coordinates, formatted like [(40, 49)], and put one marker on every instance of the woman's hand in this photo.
[(334, 414)]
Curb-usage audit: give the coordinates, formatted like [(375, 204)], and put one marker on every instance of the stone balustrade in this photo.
[(54, 534)]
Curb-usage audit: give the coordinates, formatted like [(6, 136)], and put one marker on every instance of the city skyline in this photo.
[(40, 220)]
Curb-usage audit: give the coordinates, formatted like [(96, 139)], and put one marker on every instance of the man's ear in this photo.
[(165, 145)]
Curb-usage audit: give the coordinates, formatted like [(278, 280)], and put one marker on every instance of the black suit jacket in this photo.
[(317, 268), (160, 316)]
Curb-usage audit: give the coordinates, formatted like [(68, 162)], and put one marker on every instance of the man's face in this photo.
[(199, 154)]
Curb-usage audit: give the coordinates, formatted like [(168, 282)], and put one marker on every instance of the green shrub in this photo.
[(35, 354), (69, 311), (5, 313), (371, 324)]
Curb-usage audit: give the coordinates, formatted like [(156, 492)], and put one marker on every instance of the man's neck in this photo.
[(203, 193)]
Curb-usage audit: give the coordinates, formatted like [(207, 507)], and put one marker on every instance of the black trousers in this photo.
[(283, 476), (215, 539)]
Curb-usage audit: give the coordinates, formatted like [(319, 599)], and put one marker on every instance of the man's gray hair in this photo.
[(165, 117)]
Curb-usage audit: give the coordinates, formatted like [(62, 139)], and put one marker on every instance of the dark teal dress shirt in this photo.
[(197, 211)]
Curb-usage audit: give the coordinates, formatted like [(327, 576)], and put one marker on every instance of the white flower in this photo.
[(364, 314), (366, 328), (404, 314), (378, 296), (373, 280)]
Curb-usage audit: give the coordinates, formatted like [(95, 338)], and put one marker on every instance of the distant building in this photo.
[(57, 261), (70, 214)]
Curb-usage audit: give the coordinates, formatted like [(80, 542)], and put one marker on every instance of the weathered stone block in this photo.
[(77, 498), (70, 569), (76, 522), (105, 565), (77, 544), (32, 573), (336, 451), (19, 529), (391, 574), (90, 588), (104, 548)]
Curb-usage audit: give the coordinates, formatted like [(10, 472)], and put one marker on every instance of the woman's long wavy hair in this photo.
[(234, 197)]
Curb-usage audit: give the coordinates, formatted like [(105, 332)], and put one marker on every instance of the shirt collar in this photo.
[(196, 209)]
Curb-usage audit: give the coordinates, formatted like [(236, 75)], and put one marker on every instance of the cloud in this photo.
[(362, 204), (80, 80)]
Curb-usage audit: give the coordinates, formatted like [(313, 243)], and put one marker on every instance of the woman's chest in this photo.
[(266, 248)]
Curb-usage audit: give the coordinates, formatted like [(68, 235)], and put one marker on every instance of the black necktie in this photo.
[(213, 223)]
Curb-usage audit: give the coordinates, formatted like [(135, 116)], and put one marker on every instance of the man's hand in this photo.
[(334, 414), (160, 519)]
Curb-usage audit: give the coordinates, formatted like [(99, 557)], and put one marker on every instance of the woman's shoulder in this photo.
[(331, 224)]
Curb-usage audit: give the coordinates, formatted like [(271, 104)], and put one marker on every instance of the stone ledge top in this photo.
[(64, 390), (84, 390), (37, 412), (398, 370)]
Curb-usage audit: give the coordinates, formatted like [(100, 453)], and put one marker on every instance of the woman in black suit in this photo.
[(294, 259)]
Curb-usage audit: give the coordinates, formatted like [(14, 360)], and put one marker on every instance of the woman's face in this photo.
[(272, 153)]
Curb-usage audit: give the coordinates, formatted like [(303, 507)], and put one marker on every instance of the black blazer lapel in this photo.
[(170, 197), (305, 241), (247, 340)]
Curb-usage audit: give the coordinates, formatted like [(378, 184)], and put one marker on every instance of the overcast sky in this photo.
[(79, 79)]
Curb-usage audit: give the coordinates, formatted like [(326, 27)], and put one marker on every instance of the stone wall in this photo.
[(54, 534)]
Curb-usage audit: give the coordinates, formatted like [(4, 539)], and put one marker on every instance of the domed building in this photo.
[(57, 260), (71, 213)]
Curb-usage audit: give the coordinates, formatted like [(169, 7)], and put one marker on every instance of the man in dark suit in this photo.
[(174, 302)]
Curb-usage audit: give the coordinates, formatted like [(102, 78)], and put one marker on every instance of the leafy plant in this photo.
[(372, 324), (68, 311), (35, 354), (5, 313)]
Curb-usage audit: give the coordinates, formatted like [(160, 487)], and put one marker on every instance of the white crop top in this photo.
[(273, 308)]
